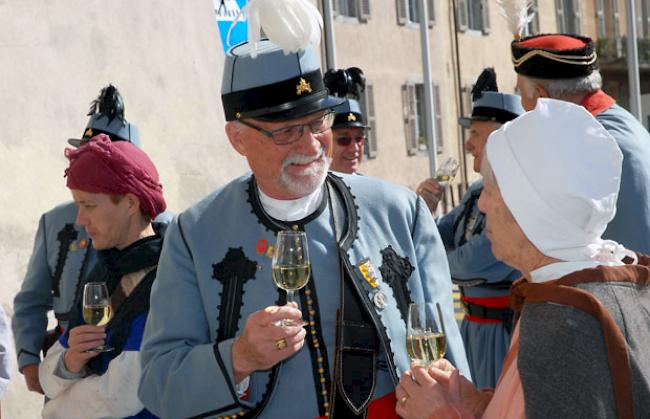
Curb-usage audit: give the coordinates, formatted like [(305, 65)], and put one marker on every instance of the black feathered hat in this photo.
[(348, 84), (490, 105), (107, 117)]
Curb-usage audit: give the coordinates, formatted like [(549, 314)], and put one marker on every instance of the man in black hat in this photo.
[(349, 128), (565, 67), (63, 254), (484, 281), (213, 343)]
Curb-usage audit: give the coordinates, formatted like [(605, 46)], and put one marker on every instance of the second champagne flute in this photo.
[(97, 309), (290, 267), (415, 335)]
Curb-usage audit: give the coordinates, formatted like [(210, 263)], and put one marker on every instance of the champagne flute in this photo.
[(435, 342), (97, 309), (447, 171), (290, 267), (415, 335)]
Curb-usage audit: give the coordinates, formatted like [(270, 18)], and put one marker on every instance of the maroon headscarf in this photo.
[(115, 168)]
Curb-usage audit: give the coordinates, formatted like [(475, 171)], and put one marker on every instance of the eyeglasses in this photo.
[(291, 134), (345, 141)]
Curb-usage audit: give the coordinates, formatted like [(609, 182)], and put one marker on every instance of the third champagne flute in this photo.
[(290, 267), (447, 171)]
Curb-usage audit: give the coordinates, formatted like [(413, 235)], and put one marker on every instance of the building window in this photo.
[(412, 11), (414, 118), (642, 8), (354, 9), (532, 28), (408, 11), (568, 16), (347, 8), (473, 15), (437, 115), (367, 102), (600, 19)]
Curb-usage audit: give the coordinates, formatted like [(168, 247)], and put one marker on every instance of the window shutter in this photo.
[(461, 15), (646, 17), (402, 12), (364, 10), (600, 18), (437, 114), (485, 17), (431, 12), (559, 15), (577, 16), (617, 28), (369, 105), (410, 121), (533, 27), (335, 7)]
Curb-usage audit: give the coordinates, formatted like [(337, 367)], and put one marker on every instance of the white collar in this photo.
[(291, 209)]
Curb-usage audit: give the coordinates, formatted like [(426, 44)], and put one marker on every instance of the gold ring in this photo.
[(281, 344), (404, 399)]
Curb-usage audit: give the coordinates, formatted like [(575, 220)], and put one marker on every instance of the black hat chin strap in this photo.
[(357, 343)]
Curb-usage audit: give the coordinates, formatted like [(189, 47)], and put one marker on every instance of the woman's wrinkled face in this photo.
[(505, 235)]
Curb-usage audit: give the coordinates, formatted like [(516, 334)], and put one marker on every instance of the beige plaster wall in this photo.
[(164, 56)]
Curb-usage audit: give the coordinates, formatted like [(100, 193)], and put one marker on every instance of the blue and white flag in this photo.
[(227, 11)]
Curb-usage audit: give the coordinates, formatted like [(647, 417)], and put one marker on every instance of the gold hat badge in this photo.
[(351, 117), (303, 87), (88, 133)]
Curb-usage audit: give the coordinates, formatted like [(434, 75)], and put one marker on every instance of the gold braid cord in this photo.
[(566, 59)]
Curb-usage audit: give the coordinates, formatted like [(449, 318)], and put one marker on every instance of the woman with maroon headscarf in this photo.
[(117, 190)]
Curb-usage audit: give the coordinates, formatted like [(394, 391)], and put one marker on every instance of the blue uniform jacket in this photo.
[(215, 271), (631, 224)]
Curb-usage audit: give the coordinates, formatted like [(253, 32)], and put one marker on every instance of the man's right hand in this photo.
[(257, 348), (431, 191), (31, 378), (81, 339)]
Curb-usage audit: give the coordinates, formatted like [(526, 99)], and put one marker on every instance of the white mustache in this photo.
[(301, 159)]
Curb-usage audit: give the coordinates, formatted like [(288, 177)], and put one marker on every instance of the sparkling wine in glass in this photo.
[(415, 335), (290, 267), (97, 308), (434, 332), (447, 171)]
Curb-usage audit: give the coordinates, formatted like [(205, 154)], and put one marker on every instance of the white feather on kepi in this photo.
[(290, 24), (517, 13), (559, 174)]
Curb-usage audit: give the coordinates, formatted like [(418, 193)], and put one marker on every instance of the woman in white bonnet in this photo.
[(580, 347)]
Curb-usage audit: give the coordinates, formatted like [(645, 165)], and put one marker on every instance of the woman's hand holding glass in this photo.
[(439, 392)]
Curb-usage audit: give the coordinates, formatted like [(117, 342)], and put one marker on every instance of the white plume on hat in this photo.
[(289, 24), (517, 13), (559, 173)]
